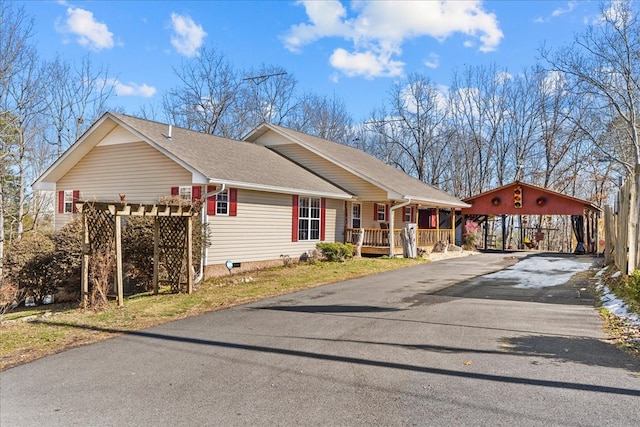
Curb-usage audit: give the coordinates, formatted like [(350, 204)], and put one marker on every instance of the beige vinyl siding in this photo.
[(331, 172), (367, 216), (119, 135), (262, 229), (135, 169)]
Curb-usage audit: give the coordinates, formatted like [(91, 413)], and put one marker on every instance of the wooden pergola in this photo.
[(173, 226)]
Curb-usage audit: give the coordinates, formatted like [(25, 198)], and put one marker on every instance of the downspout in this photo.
[(391, 215), (205, 223)]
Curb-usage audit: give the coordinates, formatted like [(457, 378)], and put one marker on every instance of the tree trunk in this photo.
[(1, 229)]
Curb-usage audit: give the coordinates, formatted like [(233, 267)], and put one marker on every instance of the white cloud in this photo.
[(556, 12), (379, 28), (89, 32), (432, 61), (561, 11), (368, 64), (188, 36), (503, 76), (132, 89)]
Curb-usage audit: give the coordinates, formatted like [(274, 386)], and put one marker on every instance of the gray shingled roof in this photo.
[(230, 161), (371, 168)]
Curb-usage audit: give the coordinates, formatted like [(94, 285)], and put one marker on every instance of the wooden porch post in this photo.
[(391, 226), (453, 226)]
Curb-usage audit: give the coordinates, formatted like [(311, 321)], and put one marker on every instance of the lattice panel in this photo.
[(100, 225), (172, 244)]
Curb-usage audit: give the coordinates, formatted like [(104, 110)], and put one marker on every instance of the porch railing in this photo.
[(376, 237), (429, 237)]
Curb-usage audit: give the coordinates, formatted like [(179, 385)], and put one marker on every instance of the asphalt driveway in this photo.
[(426, 345)]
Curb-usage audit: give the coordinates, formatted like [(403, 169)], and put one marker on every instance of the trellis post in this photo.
[(84, 285), (156, 254), (118, 235), (189, 254)]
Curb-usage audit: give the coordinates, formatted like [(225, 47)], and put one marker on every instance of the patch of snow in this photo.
[(616, 274), (541, 272), (616, 306), (601, 271)]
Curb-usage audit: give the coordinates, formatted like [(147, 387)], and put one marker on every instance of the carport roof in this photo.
[(535, 201)]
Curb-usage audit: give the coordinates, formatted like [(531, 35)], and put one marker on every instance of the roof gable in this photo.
[(396, 183), (211, 159), (534, 200)]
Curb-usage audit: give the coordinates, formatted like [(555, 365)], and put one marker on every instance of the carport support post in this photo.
[(504, 232), (486, 232)]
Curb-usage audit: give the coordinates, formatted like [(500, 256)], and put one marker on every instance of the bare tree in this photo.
[(604, 65), (478, 112), (17, 74), (268, 94), (324, 117), (24, 95), (515, 144), (416, 125), (206, 96), (75, 97)]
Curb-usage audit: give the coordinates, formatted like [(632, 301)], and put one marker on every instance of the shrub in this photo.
[(472, 235), (66, 262), (27, 266), (336, 251), (632, 288), (137, 248)]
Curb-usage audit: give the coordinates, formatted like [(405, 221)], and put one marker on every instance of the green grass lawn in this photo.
[(30, 334)]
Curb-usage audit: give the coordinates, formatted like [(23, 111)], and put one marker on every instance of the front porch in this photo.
[(376, 241)]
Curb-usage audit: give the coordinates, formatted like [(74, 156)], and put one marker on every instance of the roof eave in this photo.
[(262, 129), (43, 182), (282, 190)]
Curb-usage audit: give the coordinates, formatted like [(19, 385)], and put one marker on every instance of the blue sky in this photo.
[(352, 49)]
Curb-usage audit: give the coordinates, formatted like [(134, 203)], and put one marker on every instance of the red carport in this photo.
[(527, 205)]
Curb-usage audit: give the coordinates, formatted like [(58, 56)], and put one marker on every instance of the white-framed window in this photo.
[(356, 215), (407, 214), (185, 192), (381, 212), (308, 218), (222, 203), (68, 201)]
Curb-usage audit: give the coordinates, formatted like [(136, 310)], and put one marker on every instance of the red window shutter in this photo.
[(233, 202), (386, 213), (294, 220), (196, 193), (76, 197), (175, 191), (375, 211), (323, 217), (60, 201), (413, 214), (211, 201)]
